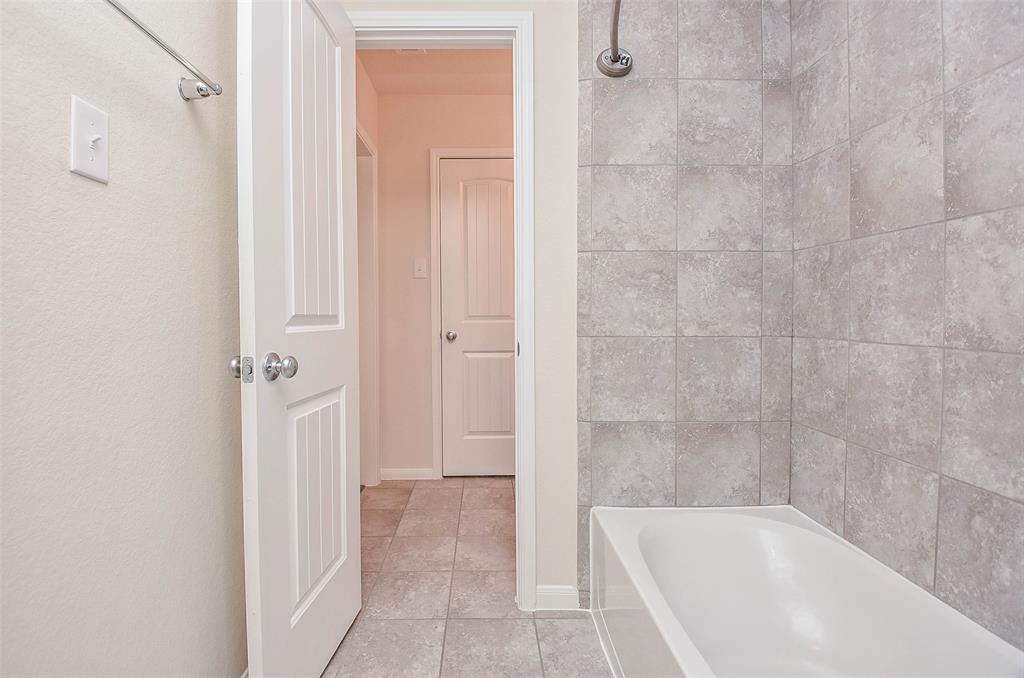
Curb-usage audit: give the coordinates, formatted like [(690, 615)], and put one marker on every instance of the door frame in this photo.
[(437, 405), (371, 476), (468, 29)]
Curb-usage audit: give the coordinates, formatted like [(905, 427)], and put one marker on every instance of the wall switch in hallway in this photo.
[(89, 142), (419, 267)]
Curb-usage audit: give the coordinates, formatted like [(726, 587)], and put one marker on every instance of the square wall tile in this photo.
[(863, 11), (821, 198), (896, 173), (818, 25), (584, 293), (778, 122), (720, 39), (984, 142), (647, 31), (896, 286), (634, 208), (776, 378), (584, 377), (891, 511), (633, 295), (719, 379), (775, 32), (585, 110), (718, 464), (821, 291), (775, 462), (586, 54), (621, 136), (983, 430), (895, 62), (583, 464), (819, 476), (583, 548), (820, 384), (583, 225), (719, 294), (980, 568), (719, 208), (633, 464), (895, 403), (984, 279), (778, 208), (979, 35), (777, 314), (719, 122), (821, 105), (633, 379)]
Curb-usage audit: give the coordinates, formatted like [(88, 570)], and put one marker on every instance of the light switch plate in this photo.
[(89, 140), (419, 267)]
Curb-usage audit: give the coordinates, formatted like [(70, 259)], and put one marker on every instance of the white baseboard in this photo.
[(407, 474), (558, 598)]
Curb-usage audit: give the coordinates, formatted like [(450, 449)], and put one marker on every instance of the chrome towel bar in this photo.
[(198, 88)]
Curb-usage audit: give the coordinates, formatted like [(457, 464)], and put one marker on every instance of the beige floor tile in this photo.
[(379, 522), (488, 498), (387, 648), (417, 523), (487, 522), (420, 554), (368, 579), (435, 499), (447, 483), (373, 550), (485, 595), (409, 595), (485, 553), (488, 648), (384, 498), (570, 649), (407, 484), (489, 481)]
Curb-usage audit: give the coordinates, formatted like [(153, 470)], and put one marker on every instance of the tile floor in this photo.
[(439, 592)]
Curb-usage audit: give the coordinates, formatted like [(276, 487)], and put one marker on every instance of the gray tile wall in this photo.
[(812, 210), (908, 292), (685, 258)]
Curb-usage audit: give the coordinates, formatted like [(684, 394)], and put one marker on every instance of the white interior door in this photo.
[(298, 283), (478, 361)]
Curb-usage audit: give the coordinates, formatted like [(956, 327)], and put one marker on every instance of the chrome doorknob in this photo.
[(450, 336), (235, 367), (274, 366)]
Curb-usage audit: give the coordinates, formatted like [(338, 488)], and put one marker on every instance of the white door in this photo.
[(297, 290), (478, 361)]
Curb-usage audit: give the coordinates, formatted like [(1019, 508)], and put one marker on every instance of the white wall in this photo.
[(121, 491), (555, 31)]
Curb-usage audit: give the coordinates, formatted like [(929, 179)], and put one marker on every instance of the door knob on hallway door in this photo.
[(450, 336), (274, 366)]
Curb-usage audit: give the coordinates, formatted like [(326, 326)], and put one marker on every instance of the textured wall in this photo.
[(122, 504), (908, 373), (685, 258)]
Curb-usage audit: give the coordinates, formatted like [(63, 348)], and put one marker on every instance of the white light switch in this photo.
[(419, 267), (89, 140)]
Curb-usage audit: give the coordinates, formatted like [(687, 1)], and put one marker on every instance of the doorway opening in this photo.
[(455, 295)]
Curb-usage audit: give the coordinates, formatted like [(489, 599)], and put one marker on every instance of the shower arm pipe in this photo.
[(199, 88), (615, 62)]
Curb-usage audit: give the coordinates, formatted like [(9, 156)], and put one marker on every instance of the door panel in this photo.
[(477, 305), (297, 280)]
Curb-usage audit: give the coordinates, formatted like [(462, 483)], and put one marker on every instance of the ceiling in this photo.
[(439, 71)]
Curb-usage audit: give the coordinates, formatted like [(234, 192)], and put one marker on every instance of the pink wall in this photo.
[(409, 126)]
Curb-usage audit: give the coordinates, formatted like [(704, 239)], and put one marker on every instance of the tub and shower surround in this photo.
[(908, 296), (877, 170), (685, 258)]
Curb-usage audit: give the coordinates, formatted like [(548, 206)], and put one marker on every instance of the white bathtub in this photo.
[(766, 591)]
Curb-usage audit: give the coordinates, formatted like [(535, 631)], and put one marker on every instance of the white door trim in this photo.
[(372, 475), (391, 29), (436, 156)]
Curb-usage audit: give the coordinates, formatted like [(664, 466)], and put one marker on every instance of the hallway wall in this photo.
[(121, 488)]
